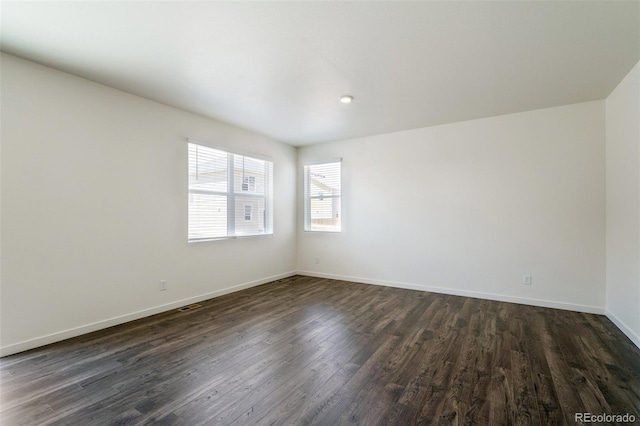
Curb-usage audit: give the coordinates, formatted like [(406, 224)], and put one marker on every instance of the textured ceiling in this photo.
[(279, 68)]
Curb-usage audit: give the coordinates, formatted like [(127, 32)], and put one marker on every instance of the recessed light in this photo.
[(346, 99)]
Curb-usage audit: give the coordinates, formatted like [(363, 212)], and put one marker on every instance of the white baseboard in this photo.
[(478, 295), (624, 328), (88, 328), (77, 331)]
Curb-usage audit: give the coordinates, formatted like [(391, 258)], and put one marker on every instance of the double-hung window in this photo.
[(230, 195), (322, 197)]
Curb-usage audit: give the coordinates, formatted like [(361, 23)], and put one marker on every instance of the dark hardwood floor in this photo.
[(314, 351)]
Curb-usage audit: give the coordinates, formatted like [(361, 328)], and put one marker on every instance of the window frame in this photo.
[(307, 169), (235, 197)]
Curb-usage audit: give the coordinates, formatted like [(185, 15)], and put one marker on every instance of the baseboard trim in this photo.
[(456, 292), (624, 328), (99, 325), (78, 331)]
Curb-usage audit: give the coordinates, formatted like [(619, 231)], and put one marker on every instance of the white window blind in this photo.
[(229, 194), (322, 197)]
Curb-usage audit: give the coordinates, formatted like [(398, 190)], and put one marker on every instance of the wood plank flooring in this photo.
[(305, 351)]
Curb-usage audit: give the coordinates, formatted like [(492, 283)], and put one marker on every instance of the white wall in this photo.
[(623, 205), (94, 208), (468, 208)]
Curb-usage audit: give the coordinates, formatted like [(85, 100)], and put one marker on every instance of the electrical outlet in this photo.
[(316, 260), (526, 279), (163, 285)]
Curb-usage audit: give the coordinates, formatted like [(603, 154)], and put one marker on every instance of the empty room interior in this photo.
[(388, 212)]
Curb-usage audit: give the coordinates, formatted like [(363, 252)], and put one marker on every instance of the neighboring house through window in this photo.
[(249, 183)]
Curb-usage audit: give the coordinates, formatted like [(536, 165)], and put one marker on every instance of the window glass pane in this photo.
[(207, 168), (207, 216), (325, 214), (250, 215), (249, 175), (324, 179)]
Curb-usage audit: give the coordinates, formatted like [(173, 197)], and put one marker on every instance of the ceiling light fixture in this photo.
[(346, 99)]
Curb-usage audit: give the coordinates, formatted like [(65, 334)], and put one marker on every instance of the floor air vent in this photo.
[(189, 307)]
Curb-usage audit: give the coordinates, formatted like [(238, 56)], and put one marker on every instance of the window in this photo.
[(322, 197), (230, 195), (249, 183)]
